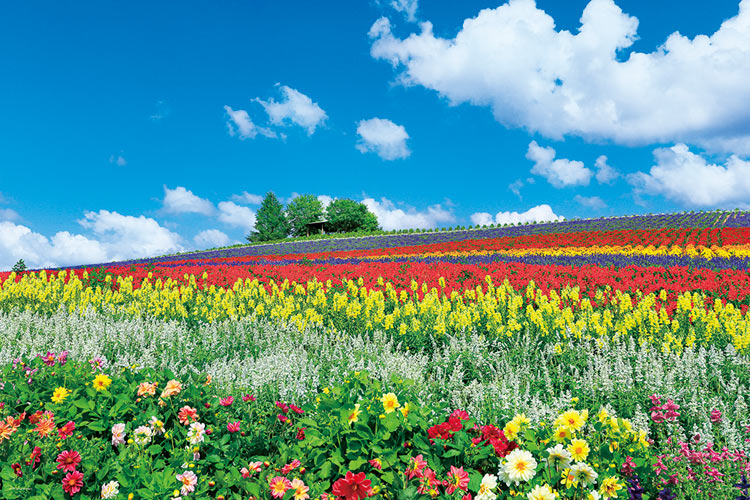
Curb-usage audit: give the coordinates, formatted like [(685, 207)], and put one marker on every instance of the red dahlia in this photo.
[(72, 482), (352, 486)]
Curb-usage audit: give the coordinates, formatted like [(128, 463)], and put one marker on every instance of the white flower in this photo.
[(520, 466), (110, 489), (541, 493), (157, 425), (593, 495), (489, 483), (196, 433), (584, 473), (559, 457), (142, 435), (118, 434)]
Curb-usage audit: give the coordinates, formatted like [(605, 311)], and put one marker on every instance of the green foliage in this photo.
[(270, 222), (301, 211), (348, 216), (19, 266)]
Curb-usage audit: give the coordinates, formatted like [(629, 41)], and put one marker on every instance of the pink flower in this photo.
[(248, 397), (279, 485), (227, 401), (233, 427), (290, 466), (244, 472), (458, 479), (187, 414), (68, 460), (49, 359), (72, 482), (416, 465), (255, 466), (283, 407), (296, 409), (188, 480), (283, 418), (715, 416)]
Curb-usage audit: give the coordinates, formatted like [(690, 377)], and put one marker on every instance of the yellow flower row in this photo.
[(496, 311)]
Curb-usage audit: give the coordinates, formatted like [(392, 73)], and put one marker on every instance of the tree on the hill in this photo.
[(270, 222), (346, 216), (301, 211)]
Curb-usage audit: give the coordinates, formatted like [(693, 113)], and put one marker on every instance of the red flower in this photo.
[(67, 430), (72, 482), (301, 433), (17, 469), (227, 401), (353, 486), (68, 460), (34, 459), (458, 479)]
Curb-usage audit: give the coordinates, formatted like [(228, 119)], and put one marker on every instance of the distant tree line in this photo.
[(304, 213)]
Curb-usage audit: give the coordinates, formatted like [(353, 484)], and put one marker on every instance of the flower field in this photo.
[(605, 358)]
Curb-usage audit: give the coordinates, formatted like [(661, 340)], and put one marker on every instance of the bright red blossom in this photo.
[(353, 486)]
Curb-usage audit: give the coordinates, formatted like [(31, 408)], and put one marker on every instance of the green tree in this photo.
[(301, 211), (270, 222), (346, 216)]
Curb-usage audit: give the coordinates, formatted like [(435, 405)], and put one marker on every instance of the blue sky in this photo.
[(140, 128)]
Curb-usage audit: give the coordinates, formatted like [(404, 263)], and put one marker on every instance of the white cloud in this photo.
[(8, 214), (604, 173), (325, 200), (295, 107), (236, 215), (249, 198), (118, 160), (383, 137), (126, 236), (183, 201), (514, 60), (20, 242), (561, 172), (211, 238), (240, 124), (540, 213), (592, 202), (515, 187), (407, 7), (390, 217), (688, 178)]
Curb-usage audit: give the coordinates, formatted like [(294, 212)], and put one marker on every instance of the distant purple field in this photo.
[(687, 220)]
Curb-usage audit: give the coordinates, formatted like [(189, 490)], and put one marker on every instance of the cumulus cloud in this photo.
[(592, 202), (181, 201), (236, 215), (390, 217), (515, 61), (561, 172), (325, 200), (126, 236), (382, 137), (296, 108), (539, 213), (249, 198), (687, 178), (240, 124), (604, 173), (211, 238)]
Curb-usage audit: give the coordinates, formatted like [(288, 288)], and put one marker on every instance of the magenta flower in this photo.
[(233, 427), (227, 401)]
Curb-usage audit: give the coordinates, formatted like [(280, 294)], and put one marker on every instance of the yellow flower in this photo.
[(609, 487), (390, 402), (405, 410), (579, 449), (569, 479), (60, 394), (561, 434), (572, 419), (511, 429), (354, 416), (101, 382)]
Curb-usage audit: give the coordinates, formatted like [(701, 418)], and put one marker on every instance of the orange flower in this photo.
[(45, 426)]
